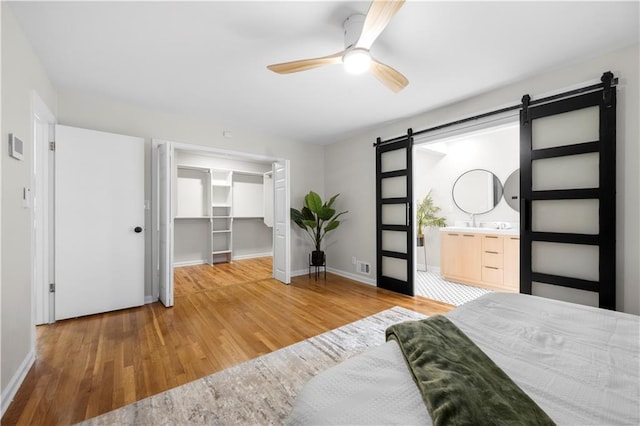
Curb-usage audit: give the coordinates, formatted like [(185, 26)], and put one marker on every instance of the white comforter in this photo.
[(581, 365)]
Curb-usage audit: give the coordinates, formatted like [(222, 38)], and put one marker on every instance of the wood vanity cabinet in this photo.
[(492, 260), (483, 260), (461, 256), (512, 262)]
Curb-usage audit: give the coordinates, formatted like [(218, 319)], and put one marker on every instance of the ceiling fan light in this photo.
[(357, 61)]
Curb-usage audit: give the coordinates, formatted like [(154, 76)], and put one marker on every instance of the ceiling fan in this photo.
[(360, 32)]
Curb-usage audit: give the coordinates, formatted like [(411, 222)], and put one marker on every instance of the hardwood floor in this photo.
[(223, 315)]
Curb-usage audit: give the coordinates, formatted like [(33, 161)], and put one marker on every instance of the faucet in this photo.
[(473, 220)]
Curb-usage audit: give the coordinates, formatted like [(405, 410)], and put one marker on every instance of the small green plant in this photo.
[(427, 214), (317, 218)]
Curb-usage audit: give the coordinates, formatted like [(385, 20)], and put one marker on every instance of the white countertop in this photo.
[(483, 230)]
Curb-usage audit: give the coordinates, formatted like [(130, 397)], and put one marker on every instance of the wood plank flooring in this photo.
[(223, 315)]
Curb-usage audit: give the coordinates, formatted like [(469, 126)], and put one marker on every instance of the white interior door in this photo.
[(99, 218), (282, 228), (165, 199), (42, 122)]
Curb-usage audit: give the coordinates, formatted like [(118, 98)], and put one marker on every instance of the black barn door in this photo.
[(394, 215), (567, 161)]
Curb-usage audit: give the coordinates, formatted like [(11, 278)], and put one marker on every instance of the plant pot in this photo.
[(317, 258), (420, 240)]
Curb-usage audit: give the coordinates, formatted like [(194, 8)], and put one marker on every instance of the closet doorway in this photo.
[(216, 210)]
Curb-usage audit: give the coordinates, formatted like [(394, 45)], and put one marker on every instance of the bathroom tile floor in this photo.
[(432, 286)]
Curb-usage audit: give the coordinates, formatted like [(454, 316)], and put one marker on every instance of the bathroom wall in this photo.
[(496, 150)]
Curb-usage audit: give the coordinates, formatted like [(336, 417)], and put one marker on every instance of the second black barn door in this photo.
[(394, 215)]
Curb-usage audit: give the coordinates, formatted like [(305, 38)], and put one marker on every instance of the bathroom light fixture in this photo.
[(357, 61)]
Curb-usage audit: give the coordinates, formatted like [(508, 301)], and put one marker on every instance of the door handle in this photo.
[(408, 222), (137, 229)]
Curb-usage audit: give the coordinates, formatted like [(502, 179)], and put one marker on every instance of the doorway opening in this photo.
[(466, 198), (223, 219), (219, 219)]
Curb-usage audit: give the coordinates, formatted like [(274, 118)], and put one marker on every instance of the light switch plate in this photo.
[(26, 197)]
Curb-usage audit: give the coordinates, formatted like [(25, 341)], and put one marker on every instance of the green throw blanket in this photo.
[(459, 383)]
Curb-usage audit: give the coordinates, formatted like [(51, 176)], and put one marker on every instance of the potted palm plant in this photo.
[(317, 219), (427, 217)]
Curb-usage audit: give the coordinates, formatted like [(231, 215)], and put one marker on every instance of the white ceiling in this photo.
[(208, 59)]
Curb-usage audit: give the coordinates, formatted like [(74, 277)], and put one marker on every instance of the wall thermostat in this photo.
[(16, 147)]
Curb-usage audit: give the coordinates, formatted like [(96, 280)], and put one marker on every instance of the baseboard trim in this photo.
[(150, 299), (190, 263), (12, 387), (299, 272), (351, 276), (434, 269), (355, 277), (252, 256)]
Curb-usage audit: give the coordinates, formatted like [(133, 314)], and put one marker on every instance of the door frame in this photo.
[(42, 182), (155, 222)]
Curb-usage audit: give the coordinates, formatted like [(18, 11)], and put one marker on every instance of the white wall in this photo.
[(307, 165), (356, 179), (22, 72), (495, 150)]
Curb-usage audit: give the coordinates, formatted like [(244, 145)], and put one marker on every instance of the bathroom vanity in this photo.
[(481, 257)]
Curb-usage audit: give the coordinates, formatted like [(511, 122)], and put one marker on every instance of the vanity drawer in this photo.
[(492, 258), (492, 243), (492, 275)]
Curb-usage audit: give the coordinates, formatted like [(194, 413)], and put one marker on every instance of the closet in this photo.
[(223, 209)]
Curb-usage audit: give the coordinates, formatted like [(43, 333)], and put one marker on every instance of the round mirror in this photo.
[(512, 190), (477, 191)]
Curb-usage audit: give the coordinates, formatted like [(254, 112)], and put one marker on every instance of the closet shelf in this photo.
[(221, 252), (221, 231), (222, 184), (192, 217), (221, 217), (220, 205), (248, 217)]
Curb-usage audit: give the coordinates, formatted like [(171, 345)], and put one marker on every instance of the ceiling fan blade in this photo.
[(306, 64), (378, 17), (388, 76)]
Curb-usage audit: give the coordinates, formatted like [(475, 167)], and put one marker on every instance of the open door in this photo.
[(99, 222), (568, 196), (282, 221), (165, 238)]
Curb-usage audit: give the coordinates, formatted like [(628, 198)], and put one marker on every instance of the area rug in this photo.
[(260, 391)]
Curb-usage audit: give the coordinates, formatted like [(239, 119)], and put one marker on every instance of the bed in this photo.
[(580, 365)]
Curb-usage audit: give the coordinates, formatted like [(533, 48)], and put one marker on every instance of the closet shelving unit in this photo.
[(192, 214), (210, 201), (221, 215), (192, 205)]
